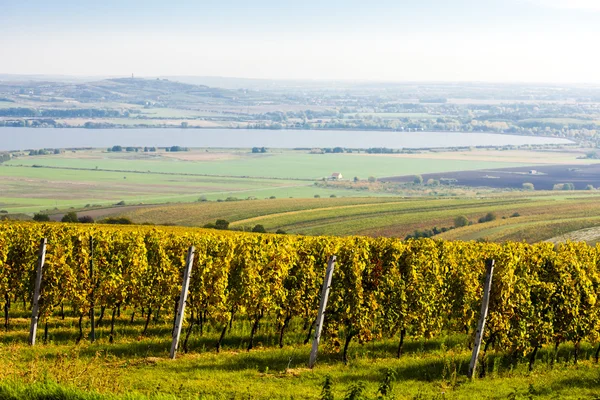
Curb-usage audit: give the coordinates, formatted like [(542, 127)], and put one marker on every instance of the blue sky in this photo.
[(426, 40)]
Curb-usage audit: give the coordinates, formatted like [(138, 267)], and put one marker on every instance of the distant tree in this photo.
[(568, 186), (255, 150), (488, 217), (222, 224), (316, 196), (589, 187), (263, 150), (372, 179), (56, 151), (356, 179), (332, 196), (461, 221), (280, 232), (117, 148), (202, 198), (41, 217), (184, 124), (259, 229), (433, 182), (338, 150), (70, 217), (86, 219), (528, 186), (130, 149), (515, 214), (272, 197), (117, 221), (418, 180), (558, 186)]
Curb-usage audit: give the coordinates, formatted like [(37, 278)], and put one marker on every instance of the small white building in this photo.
[(336, 176)]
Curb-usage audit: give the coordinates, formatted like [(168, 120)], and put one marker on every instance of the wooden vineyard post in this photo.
[(484, 311), (182, 299), (321, 315), (36, 294), (92, 315)]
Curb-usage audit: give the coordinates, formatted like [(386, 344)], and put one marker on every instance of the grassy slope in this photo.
[(136, 366), (541, 221), (541, 217)]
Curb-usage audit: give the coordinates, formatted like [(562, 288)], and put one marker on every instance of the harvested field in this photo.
[(543, 177)]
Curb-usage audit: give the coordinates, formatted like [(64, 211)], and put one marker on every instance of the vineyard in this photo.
[(540, 294)]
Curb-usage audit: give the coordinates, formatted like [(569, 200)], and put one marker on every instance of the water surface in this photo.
[(36, 138)]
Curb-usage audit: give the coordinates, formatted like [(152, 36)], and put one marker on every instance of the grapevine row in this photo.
[(541, 294)]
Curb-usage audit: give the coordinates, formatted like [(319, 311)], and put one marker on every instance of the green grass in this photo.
[(136, 367)]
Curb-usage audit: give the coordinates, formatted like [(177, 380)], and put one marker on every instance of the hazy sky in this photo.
[(391, 40)]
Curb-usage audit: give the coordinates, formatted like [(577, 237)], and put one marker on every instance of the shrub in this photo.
[(86, 219), (222, 224), (589, 187), (372, 179), (117, 221), (317, 196), (418, 180), (121, 203), (516, 214), (70, 217), (488, 217), (568, 186), (259, 229), (461, 221), (280, 232), (41, 217), (3, 212), (333, 196), (202, 199), (528, 186)]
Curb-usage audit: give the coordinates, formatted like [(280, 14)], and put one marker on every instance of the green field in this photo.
[(285, 165), (75, 179)]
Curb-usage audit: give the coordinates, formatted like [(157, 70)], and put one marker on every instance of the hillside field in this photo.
[(85, 177), (540, 217)]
